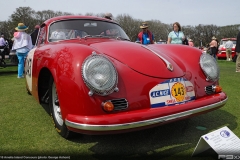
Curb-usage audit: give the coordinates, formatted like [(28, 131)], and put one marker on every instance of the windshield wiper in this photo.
[(95, 36), (87, 36), (118, 37), (121, 38)]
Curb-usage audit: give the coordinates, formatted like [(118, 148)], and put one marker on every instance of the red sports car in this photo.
[(96, 81)]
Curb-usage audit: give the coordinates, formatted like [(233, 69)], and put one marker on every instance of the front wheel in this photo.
[(55, 111)]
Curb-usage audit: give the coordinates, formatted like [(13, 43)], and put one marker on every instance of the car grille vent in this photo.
[(119, 104), (209, 90)]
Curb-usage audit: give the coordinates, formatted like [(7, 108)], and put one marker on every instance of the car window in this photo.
[(223, 42), (70, 29), (41, 36)]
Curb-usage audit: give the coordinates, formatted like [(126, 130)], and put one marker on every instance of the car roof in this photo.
[(225, 39), (59, 18)]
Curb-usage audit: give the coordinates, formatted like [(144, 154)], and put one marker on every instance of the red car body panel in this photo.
[(139, 70)]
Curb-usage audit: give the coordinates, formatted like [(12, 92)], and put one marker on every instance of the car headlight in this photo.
[(99, 74), (210, 67)]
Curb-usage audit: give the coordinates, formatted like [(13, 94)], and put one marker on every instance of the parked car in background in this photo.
[(95, 81), (162, 42), (222, 50)]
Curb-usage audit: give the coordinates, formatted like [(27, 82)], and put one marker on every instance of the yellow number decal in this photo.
[(178, 91)]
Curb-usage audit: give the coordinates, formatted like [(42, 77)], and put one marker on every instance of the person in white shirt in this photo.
[(22, 44), (58, 35), (3, 45), (228, 46)]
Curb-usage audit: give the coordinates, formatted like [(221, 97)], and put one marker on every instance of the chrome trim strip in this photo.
[(169, 65), (114, 127)]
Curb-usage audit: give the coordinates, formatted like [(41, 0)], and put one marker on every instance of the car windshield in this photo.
[(223, 42), (82, 28)]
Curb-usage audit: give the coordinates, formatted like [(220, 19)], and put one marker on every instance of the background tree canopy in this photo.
[(200, 34)]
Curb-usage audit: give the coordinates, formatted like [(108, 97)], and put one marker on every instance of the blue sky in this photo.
[(186, 12)]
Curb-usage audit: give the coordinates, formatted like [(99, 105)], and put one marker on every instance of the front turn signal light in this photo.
[(217, 89), (108, 106)]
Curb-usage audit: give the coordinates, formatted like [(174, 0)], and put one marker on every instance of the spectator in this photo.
[(228, 46), (237, 49), (3, 45), (190, 43), (176, 36), (58, 35), (145, 36), (185, 42), (108, 16), (34, 34), (213, 47), (22, 44)]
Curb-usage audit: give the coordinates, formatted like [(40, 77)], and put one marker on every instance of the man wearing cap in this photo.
[(228, 46), (213, 46), (22, 44), (145, 36)]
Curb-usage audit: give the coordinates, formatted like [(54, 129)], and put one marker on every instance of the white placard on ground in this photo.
[(223, 141)]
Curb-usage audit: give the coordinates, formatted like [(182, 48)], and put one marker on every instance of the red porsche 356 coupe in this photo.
[(96, 81)]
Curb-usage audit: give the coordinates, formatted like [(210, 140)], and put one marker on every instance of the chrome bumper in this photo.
[(115, 127)]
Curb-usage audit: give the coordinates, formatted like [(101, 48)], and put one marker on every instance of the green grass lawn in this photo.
[(27, 129)]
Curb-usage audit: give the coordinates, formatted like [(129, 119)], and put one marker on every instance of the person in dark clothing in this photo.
[(237, 50), (213, 46), (34, 34), (185, 41)]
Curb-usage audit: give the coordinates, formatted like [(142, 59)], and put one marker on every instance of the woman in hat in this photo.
[(22, 44), (213, 47), (108, 16), (176, 36)]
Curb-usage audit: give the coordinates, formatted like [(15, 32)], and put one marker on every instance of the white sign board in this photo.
[(223, 141)]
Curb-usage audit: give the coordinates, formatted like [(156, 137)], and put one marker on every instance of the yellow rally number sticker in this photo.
[(178, 91)]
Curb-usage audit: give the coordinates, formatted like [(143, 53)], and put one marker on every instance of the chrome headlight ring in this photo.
[(99, 74), (210, 67)]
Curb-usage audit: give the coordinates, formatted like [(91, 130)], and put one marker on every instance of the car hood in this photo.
[(148, 61)]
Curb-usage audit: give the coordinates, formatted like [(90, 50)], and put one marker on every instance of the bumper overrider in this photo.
[(146, 117)]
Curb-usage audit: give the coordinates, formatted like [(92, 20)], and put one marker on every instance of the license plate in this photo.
[(172, 92)]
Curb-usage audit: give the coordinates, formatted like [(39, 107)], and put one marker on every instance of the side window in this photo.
[(41, 36)]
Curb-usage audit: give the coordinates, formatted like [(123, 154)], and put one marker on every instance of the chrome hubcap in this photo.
[(56, 106)]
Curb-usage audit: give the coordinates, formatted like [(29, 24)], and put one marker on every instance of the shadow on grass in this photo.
[(8, 70), (175, 138)]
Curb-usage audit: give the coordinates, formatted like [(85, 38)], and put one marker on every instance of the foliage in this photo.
[(201, 34)]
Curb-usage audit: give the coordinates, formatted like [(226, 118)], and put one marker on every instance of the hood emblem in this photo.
[(169, 65)]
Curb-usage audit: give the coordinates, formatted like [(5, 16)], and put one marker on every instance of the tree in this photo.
[(201, 34), (24, 15), (229, 31), (159, 29), (129, 25)]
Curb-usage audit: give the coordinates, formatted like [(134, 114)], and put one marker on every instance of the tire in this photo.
[(55, 111)]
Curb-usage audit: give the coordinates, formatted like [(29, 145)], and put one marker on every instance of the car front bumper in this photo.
[(142, 118)]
